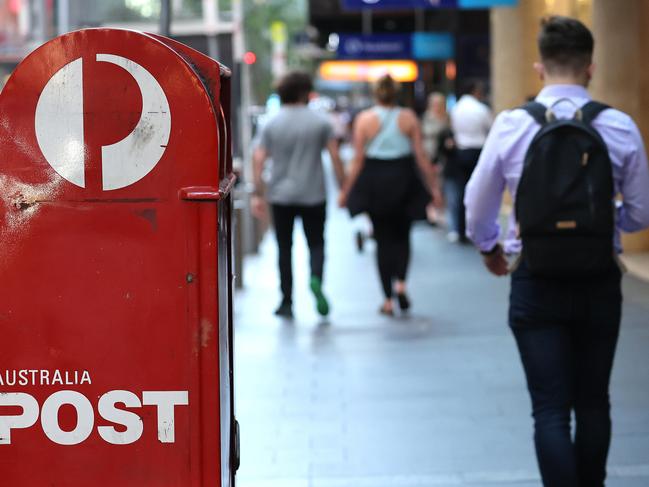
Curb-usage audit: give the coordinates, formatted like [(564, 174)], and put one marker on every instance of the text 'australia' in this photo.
[(44, 377)]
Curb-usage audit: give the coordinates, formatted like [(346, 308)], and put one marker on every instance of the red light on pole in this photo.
[(451, 70), (250, 57)]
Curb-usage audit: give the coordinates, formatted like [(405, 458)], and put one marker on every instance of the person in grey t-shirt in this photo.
[(294, 139)]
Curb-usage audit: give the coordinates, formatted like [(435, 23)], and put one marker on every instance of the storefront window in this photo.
[(225, 9), (108, 11)]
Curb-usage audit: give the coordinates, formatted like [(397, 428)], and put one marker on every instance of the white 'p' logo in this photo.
[(60, 119)]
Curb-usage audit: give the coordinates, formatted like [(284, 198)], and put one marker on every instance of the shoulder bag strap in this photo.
[(537, 111), (591, 110)]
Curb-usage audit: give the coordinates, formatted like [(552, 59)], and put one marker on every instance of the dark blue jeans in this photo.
[(567, 333)]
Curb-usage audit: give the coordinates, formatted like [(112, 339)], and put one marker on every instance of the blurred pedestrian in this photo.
[(434, 123), (470, 123), (563, 158), (294, 139), (385, 180), (340, 121)]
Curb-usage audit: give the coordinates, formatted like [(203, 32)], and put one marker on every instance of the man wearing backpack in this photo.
[(564, 159)]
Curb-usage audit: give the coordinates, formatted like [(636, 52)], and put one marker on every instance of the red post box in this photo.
[(115, 258)]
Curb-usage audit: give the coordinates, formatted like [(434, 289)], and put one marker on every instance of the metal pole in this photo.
[(367, 21), (245, 123), (39, 15), (211, 22), (420, 20), (250, 233), (165, 18), (63, 16)]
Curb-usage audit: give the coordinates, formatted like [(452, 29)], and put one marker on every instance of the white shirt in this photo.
[(470, 121)]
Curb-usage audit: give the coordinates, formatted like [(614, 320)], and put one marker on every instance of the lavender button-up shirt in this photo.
[(501, 165)]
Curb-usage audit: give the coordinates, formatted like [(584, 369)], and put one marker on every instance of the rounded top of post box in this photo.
[(101, 114)]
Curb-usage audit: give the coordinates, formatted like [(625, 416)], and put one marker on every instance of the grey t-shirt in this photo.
[(294, 140)]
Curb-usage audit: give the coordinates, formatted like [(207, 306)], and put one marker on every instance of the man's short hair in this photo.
[(295, 87), (471, 87), (565, 44)]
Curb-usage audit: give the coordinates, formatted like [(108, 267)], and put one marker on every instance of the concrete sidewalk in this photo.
[(436, 398)]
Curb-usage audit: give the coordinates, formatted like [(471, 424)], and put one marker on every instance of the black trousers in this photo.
[(567, 334), (313, 220), (458, 175), (392, 235)]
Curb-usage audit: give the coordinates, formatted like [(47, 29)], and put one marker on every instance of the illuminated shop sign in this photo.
[(364, 71)]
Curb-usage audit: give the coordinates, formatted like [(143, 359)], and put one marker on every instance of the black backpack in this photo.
[(565, 197)]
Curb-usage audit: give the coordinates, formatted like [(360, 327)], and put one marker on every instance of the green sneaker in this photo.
[(321, 302)]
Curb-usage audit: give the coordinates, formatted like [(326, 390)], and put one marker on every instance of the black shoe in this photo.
[(404, 302), (360, 241), (285, 310)]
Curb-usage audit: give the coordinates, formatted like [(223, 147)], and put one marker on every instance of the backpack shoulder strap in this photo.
[(590, 111), (537, 111)]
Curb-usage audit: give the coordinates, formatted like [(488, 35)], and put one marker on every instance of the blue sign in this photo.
[(397, 4), (411, 4), (420, 45), (429, 46), (487, 3), (380, 46)]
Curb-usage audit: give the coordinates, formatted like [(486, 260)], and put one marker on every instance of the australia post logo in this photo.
[(117, 420), (61, 124)]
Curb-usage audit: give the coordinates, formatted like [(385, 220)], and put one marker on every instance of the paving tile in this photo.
[(433, 399)]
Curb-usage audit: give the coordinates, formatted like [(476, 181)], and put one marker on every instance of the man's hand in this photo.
[(495, 261), (342, 199), (259, 207), (449, 143), (438, 199)]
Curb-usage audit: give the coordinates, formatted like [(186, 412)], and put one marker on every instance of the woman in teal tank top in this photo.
[(391, 180), (390, 142)]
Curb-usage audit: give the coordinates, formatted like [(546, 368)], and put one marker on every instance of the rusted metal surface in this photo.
[(116, 298)]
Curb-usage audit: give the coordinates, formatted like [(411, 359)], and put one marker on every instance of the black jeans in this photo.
[(457, 175), (313, 220), (392, 235), (567, 333)]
